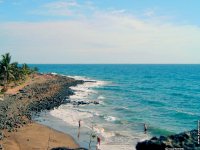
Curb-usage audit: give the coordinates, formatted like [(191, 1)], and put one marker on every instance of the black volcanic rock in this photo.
[(186, 140)]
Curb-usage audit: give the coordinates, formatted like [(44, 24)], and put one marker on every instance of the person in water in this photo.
[(145, 128)]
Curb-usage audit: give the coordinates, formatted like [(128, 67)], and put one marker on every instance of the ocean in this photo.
[(164, 97)]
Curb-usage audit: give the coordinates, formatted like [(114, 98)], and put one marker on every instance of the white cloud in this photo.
[(61, 4), (149, 13), (57, 8), (104, 37), (63, 8)]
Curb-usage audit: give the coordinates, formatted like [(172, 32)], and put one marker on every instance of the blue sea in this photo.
[(164, 97)]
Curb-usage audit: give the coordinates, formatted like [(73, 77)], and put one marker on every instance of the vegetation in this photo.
[(13, 72)]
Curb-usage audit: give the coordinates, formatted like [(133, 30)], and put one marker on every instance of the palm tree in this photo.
[(25, 69), (17, 72), (12, 71), (6, 68)]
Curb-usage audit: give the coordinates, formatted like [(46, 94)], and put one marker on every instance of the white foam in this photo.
[(123, 140), (70, 115), (101, 97), (184, 112), (54, 73), (110, 118), (125, 108), (83, 91), (78, 77), (116, 147)]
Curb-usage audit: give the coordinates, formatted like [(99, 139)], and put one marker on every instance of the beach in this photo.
[(36, 136), (21, 103)]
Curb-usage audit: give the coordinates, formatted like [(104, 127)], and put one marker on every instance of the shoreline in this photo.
[(21, 103)]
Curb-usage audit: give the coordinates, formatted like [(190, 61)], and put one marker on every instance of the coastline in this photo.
[(46, 92), (18, 106)]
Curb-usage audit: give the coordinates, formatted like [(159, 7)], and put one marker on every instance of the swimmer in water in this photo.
[(145, 128)]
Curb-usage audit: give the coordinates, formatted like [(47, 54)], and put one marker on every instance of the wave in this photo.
[(155, 103), (121, 108), (182, 95), (100, 97), (84, 90), (183, 112), (70, 116), (160, 131), (110, 118), (53, 73)]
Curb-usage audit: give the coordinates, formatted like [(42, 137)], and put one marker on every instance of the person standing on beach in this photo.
[(79, 124), (98, 140), (98, 143)]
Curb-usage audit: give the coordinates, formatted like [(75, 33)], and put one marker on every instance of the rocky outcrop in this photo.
[(17, 110), (77, 103), (186, 141)]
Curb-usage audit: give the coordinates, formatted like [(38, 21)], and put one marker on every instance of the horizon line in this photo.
[(112, 63)]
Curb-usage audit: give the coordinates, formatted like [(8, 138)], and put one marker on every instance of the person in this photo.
[(79, 123), (145, 128), (98, 140), (79, 127)]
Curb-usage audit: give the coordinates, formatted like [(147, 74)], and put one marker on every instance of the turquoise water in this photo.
[(165, 97)]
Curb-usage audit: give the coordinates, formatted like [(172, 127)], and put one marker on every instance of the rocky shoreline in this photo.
[(17, 110), (183, 141)]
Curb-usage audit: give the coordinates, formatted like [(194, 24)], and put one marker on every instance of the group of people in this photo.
[(98, 138)]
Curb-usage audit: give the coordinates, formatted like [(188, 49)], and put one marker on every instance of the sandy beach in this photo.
[(36, 136)]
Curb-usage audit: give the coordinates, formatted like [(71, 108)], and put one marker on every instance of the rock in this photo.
[(1, 147), (163, 138), (95, 102), (91, 81), (22, 91), (186, 140), (154, 138), (1, 135)]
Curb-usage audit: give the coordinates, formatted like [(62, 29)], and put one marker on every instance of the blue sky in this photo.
[(179, 10), (101, 31)]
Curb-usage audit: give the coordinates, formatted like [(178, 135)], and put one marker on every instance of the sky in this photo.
[(101, 31)]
